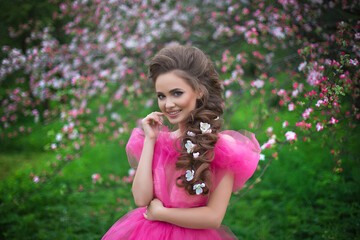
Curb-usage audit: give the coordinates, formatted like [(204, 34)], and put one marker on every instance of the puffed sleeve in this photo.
[(237, 153), (134, 147)]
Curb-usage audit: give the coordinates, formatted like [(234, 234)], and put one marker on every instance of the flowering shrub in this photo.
[(318, 83), (283, 55)]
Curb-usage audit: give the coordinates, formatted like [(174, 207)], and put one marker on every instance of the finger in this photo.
[(156, 121), (151, 121), (152, 116), (155, 114), (145, 216), (158, 113)]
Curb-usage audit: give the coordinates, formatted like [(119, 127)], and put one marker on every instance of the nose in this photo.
[(169, 103)]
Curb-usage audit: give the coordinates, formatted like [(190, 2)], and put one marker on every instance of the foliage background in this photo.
[(299, 196)]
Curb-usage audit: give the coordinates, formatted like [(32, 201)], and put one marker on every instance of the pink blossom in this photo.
[(290, 135), (127, 179), (76, 145), (258, 83), (294, 93), (245, 11), (281, 92), (269, 143), (291, 106), (278, 32), (269, 130), (95, 177), (303, 124), (285, 124), (131, 172), (228, 93), (314, 77), (319, 102), (36, 179), (333, 120), (307, 112), (319, 127), (354, 62)]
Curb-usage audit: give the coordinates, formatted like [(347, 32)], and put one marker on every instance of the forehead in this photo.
[(168, 81)]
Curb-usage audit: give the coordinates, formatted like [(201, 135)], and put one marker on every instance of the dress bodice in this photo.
[(234, 152)]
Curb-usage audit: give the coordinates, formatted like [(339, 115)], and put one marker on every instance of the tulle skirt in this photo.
[(134, 226)]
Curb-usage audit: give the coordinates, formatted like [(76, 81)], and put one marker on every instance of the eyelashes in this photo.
[(178, 93), (175, 94)]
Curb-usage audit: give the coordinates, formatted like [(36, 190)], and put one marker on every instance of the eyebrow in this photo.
[(172, 90)]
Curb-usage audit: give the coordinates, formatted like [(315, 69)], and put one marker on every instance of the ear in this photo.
[(200, 94)]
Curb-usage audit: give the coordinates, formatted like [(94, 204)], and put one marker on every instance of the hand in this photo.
[(153, 211), (151, 124)]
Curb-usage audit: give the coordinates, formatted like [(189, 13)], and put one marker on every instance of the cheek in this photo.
[(190, 102), (161, 106)]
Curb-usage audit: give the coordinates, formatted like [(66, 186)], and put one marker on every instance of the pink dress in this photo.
[(234, 152)]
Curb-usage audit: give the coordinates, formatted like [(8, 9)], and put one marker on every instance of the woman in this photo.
[(184, 178)]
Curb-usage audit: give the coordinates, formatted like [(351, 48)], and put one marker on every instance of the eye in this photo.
[(178, 93), (160, 96)]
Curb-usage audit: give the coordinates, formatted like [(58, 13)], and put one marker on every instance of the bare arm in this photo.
[(209, 216), (142, 187)]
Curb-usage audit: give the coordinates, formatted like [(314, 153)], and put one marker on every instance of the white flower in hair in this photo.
[(205, 127), (189, 146), (189, 175), (196, 155), (199, 188), (191, 134)]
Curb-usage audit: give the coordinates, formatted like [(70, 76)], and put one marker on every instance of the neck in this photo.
[(181, 129)]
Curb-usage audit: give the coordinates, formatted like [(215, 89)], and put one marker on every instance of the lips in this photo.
[(173, 113)]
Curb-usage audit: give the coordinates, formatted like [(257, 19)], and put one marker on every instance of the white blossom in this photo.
[(189, 146), (191, 134), (290, 135), (205, 127), (189, 175), (199, 188)]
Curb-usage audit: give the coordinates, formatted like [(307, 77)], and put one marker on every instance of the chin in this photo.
[(177, 120), (174, 121)]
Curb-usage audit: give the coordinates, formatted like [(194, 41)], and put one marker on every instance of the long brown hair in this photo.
[(191, 64)]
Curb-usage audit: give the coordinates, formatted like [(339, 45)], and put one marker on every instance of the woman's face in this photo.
[(176, 98)]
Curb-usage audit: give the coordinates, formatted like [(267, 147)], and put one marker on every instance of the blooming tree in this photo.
[(285, 56), (318, 83)]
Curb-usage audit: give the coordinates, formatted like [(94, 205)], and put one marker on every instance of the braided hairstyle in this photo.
[(192, 65)]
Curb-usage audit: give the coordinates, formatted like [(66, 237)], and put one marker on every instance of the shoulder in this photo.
[(229, 139), (139, 135), (237, 153), (165, 138), (235, 146)]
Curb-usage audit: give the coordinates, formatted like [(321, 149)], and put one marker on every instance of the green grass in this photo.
[(57, 210), (21, 162), (299, 196)]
